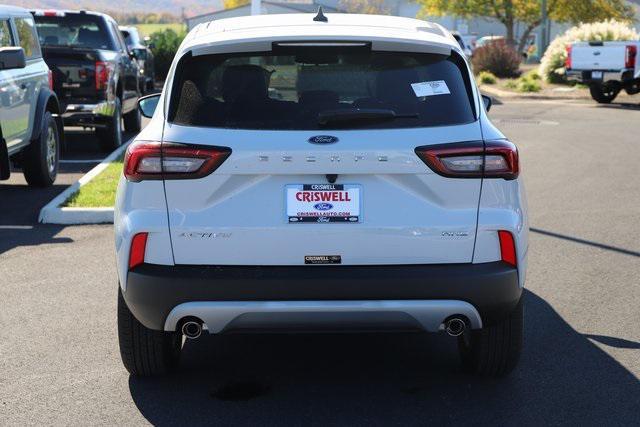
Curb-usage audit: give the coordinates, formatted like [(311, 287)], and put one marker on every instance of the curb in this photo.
[(52, 213), (495, 92)]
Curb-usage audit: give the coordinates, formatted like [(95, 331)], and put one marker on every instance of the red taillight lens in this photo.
[(630, 56), (475, 159), (567, 62), (50, 79), (138, 248), (507, 247), (153, 160), (103, 72)]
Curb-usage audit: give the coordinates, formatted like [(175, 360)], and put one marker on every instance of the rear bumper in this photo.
[(585, 76), (98, 114), (159, 296)]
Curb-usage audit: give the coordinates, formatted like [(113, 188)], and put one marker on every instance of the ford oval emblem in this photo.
[(323, 139), (323, 206)]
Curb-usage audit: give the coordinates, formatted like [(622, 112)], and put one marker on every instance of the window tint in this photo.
[(6, 39), (82, 31), (28, 37), (289, 90)]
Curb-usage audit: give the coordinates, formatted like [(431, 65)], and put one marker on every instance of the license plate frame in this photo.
[(345, 207), (597, 75)]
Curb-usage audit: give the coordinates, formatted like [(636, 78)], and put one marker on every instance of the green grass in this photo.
[(100, 192), (148, 29)]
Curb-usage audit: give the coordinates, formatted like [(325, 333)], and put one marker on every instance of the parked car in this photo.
[(466, 49), (373, 194), (607, 67), (30, 125), (94, 74), (483, 41), (143, 55)]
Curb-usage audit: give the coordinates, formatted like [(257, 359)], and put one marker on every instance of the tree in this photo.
[(508, 12), (376, 7), (230, 4)]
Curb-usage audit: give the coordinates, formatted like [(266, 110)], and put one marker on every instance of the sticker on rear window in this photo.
[(436, 87)]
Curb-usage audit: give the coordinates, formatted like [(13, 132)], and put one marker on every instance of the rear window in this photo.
[(290, 89), (82, 31)]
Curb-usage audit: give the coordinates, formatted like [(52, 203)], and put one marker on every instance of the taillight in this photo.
[(153, 160), (630, 56), (475, 159), (567, 62), (51, 80), (103, 72), (138, 248), (507, 247)]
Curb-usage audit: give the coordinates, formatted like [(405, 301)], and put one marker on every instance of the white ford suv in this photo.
[(333, 172)]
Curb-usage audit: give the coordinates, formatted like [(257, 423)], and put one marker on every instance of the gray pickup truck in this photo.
[(31, 130)]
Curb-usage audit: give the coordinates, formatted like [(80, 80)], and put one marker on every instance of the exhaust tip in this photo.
[(192, 329), (455, 326)]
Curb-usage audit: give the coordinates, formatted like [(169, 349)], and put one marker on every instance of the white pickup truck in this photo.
[(607, 67)]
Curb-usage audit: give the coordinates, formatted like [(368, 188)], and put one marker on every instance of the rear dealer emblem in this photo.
[(323, 139)]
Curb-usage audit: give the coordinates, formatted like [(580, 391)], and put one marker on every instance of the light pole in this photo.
[(255, 7)]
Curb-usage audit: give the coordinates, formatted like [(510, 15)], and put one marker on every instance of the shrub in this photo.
[(552, 63), (166, 44), (528, 85), (530, 82), (511, 84), (498, 58), (486, 78), (533, 75)]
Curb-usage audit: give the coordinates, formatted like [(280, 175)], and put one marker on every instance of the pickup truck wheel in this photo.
[(494, 350), (145, 352), (133, 121), (110, 137), (604, 93), (41, 157)]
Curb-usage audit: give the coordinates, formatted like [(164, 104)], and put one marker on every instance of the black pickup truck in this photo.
[(94, 74)]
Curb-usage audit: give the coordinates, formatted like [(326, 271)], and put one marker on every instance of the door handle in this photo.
[(23, 86)]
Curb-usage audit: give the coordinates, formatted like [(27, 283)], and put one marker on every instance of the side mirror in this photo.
[(12, 58), (133, 55), (488, 102), (147, 104)]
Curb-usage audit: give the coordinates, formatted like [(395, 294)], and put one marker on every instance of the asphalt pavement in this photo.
[(59, 357)]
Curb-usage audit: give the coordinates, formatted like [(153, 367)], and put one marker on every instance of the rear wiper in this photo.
[(361, 114)]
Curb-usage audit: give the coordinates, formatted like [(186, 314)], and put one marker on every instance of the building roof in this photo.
[(257, 33)]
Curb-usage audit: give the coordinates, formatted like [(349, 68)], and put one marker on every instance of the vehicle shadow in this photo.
[(620, 106), (406, 379), (21, 204)]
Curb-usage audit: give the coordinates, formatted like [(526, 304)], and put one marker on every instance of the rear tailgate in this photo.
[(407, 213), (605, 56), (74, 74)]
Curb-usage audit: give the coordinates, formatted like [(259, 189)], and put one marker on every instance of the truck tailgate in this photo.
[(73, 74), (607, 56)]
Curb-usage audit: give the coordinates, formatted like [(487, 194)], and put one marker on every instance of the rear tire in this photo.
[(604, 93), (110, 137), (494, 350), (42, 156), (133, 121), (145, 352)]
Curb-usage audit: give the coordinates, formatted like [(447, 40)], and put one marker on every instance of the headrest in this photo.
[(244, 82)]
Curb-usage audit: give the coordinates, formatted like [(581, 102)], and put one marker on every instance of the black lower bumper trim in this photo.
[(154, 290)]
